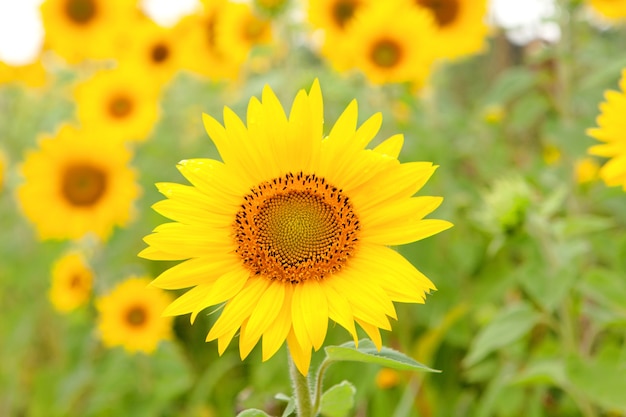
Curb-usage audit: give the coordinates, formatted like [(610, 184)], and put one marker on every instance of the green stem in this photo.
[(319, 381), (301, 390)]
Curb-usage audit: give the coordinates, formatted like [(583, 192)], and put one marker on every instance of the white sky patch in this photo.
[(526, 20), (168, 12), (21, 32)]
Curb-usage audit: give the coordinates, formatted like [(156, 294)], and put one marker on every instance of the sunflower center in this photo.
[(80, 11), (295, 228), (76, 281), (136, 316), (120, 106), (159, 53), (83, 185), (343, 10), (445, 11), (386, 53)]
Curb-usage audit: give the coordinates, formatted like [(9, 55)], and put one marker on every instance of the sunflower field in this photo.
[(400, 208)]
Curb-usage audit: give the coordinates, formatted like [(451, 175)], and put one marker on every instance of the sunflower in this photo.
[(203, 46), (72, 281), (391, 52), (79, 29), (612, 131), (77, 182), (293, 229), (611, 9), (461, 27), (122, 103), (153, 49), (240, 29), (130, 316), (333, 16)]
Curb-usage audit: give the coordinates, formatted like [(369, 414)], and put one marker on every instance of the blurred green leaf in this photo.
[(291, 404), (605, 287), (542, 372), (511, 325), (580, 225), (602, 378), (367, 353), (338, 400), (253, 412), (512, 83)]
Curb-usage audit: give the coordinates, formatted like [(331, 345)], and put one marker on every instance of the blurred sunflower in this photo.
[(333, 16), (72, 281), (611, 9), (130, 316), (204, 50), (154, 50), (77, 182), (79, 29), (612, 131), (392, 44), (461, 26), (240, 29), (294, 229), (122, 103)]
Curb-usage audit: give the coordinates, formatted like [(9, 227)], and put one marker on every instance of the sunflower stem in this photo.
[(301, 390)]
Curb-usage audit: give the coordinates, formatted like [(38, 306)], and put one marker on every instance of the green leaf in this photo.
[(602, 378), (542, 372), (291, 404), (338, 400), (253, 412), (367, 353), (505, 329), (581, 225)]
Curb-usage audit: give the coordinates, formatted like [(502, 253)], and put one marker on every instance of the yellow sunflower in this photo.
[(131, 316), (333, 16), (79, 29), (612, 131), (293, 229), (154, 50), (203, 46), (123, 104), (76, 183), (240, 29), (72, 281), (461, 26), (611, 9), (392, 44)]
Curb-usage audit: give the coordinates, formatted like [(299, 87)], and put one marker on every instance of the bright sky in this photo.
[(21, 32)]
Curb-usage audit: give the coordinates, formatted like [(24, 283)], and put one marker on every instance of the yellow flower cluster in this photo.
[(398, 40)]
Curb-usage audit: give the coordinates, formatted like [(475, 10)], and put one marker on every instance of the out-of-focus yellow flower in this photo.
[(131, 316), (333, 16), (204, 52), (391, 43), (154, 49), (122, 104), (31, 75), (493, 114), (551, 154), (77, 182), (586, 170), (461, 27), (79, 29), (612, 131), (72, 281), (3, 168), (387, 378), (611, 9), (240, 29)]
